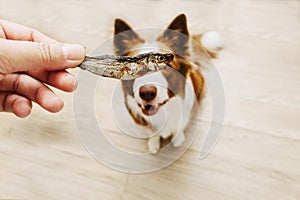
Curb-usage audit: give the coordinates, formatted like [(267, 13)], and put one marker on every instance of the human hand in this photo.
[(29, 61)]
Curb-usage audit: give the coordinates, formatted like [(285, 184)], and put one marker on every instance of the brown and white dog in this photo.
[(163, 101)]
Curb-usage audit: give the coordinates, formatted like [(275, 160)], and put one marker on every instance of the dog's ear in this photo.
[(176, 35), (179, 24), (125, 37)]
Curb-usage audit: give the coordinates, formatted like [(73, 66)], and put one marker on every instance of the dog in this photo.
[(163, 101)]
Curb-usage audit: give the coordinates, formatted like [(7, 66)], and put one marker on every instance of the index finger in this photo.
[(13, 31)]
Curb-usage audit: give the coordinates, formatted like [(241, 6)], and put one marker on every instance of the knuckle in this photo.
[(4, 99), (48, 53), (45, 53), (5, 64), (16, 82)]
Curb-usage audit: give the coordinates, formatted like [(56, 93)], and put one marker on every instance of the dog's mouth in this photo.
[(149, 109)]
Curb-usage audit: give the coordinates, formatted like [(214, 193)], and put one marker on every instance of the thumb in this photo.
[(24, 55)]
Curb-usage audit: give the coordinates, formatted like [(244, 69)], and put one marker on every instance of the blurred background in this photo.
[(258, 154)]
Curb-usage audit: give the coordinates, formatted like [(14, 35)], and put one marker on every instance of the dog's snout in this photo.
[(148, 92)]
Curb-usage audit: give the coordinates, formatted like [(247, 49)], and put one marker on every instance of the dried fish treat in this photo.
[(126, 67)]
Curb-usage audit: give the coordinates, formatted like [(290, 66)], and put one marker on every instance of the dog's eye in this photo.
[(161, 58)]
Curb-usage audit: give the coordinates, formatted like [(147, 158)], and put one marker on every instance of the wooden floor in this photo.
[(258, 154)]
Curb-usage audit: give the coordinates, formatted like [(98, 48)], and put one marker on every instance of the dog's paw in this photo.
[(178, 140), (154, 144)]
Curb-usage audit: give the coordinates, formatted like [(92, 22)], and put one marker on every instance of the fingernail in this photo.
[(71, 82), (73, 51)]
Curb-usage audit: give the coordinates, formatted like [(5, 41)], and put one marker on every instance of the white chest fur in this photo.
[(172, 118)]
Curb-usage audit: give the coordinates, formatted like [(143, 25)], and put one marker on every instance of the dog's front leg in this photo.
[(178, 139), (154, 144)]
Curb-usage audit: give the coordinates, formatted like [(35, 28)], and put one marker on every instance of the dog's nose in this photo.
[(147, 92)]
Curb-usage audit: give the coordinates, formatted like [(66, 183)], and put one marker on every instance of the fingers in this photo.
[(40, 52), (23, 56), (23, 49), (32, 89), (15, 103), (62, 80), (13, 31)]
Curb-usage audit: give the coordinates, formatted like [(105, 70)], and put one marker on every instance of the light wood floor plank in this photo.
[(257, 156)]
